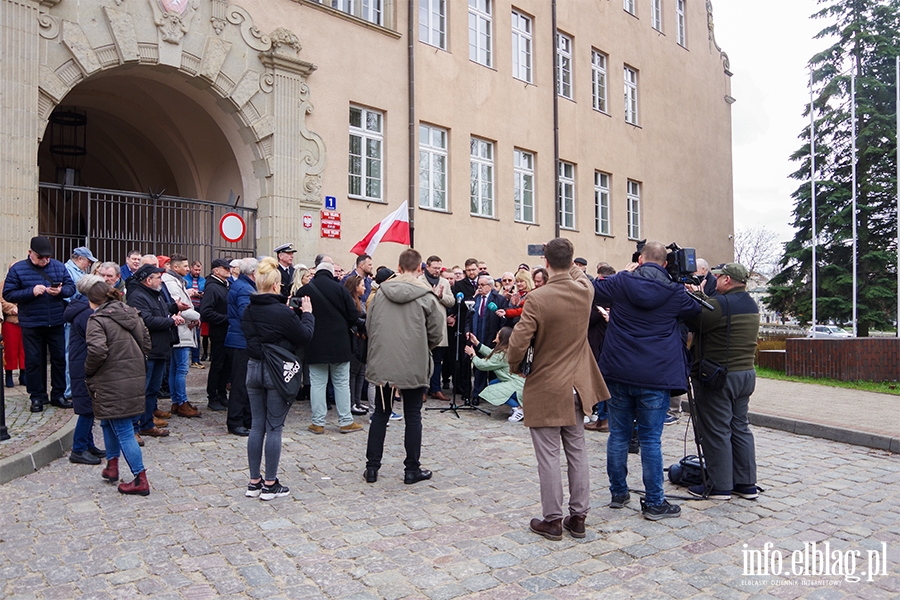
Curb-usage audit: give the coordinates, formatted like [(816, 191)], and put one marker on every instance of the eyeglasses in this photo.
[(506, 280)]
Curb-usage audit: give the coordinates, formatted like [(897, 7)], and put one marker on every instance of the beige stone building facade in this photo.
[(139, 123)]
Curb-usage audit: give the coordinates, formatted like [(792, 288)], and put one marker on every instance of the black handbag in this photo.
[(687, 472), (525, 365), (284, 370), (712, 375)]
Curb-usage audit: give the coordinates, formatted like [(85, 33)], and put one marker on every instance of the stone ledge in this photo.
[(28, 461)]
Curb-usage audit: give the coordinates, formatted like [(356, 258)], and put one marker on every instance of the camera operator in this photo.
[(643, 361), (727, 335)]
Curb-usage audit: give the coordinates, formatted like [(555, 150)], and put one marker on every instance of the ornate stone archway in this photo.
[(257, 79)]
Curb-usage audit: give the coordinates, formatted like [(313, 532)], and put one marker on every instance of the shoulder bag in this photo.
[(283, 367)]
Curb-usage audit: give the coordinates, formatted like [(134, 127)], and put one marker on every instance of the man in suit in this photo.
[(483, 322), (462, 379), (284, 254), (563, 385)]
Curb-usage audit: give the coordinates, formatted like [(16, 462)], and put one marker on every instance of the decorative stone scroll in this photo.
[(253, 37)]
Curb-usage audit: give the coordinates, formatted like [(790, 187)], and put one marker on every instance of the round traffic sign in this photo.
[(232, 227)]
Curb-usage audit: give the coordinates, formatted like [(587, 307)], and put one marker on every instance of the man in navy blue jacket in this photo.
[(38, 285), (643, 361), (484, 323)]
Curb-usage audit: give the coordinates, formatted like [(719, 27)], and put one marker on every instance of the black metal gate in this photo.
[(112, 223)]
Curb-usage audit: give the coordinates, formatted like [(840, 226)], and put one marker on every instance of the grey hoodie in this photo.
[(405, 321)]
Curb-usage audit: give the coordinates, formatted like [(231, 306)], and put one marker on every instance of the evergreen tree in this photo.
[(865, 40)]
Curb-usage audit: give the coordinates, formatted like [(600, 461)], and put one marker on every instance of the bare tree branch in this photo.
[(757, 248)]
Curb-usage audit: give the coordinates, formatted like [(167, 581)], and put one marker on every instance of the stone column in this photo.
[(19, 126), (297, 156)]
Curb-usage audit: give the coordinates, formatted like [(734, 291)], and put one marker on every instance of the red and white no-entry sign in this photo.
[(232, 227)]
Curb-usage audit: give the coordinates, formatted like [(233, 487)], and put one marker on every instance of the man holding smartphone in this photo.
[(39, 285)]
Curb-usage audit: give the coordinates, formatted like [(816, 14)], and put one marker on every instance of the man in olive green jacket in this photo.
[(405, 321)]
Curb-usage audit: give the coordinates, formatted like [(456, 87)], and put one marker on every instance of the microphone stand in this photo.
[(467, 405)]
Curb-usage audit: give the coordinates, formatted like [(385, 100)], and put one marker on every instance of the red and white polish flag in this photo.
[(393, 228)]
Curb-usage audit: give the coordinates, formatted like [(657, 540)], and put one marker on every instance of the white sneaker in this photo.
[(587, 419), (516, 415)]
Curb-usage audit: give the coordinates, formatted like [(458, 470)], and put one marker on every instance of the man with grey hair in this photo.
[(708, 280), (483, 322), (111, 274), (238, 420)]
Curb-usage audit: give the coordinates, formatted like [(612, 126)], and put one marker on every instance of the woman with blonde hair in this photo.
[(267, 320), (302, 275), (524, 284)]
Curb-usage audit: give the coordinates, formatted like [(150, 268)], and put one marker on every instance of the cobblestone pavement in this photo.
[(28, 429), (64, 533)]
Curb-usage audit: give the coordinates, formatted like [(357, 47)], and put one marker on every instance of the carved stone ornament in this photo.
[(218, 20), (173, 18), (315, 159), (49, 26), (284, 39), (253, 37)]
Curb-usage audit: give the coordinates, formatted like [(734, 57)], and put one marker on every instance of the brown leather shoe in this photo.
[(597, 425), (351, 428), (161, 414), (160, 422), (317, 429), (186, 410), (575, 525), (439, 395), (552, 530), (139, 440), (155, 432)]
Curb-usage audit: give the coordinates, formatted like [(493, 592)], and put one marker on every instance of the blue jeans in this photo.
[(649, 407), (269, 410), (156, 368), (318, 381), (83, 438), (118, 434), (602, 413), (437, 356), (179, 363)]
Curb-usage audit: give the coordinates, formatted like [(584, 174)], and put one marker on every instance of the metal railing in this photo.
[(112, 223)]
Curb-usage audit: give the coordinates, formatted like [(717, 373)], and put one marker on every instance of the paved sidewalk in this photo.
[(64, 533)]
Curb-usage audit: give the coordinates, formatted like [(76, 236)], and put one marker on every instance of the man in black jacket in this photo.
[(214, 311), (462, 381), (146, 296), (329, 351), (483, 322)]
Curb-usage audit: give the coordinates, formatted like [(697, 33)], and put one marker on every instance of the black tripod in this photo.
[(460, 331)]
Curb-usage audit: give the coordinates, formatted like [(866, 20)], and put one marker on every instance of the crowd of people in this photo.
[(372, 340)]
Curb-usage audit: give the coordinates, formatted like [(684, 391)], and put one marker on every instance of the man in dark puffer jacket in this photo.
[(39, 284)]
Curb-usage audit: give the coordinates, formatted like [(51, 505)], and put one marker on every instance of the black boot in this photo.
[(21, 376), (9, 379)]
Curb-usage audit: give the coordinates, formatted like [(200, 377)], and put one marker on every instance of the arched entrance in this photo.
[(160, 163), (185, 98)]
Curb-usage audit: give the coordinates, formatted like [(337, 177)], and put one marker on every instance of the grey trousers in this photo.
[(546, 441), (728, 446)]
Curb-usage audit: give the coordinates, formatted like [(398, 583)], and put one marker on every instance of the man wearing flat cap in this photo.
[(78, 266), (214, 310), (39, 285), (727, 335), (285, 256)]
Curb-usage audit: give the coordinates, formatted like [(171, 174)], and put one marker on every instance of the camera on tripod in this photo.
[(681, 263)]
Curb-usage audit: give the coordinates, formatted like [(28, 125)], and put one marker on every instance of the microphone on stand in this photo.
[(459, 297)]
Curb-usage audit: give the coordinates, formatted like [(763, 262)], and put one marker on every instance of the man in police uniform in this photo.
[(284, 254)]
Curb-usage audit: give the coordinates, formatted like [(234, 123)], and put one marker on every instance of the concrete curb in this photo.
[(41, 454), (827, 432)]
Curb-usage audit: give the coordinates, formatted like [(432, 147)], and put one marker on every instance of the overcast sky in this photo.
[(769, 43)]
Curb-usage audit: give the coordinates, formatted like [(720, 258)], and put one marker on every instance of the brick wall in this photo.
[(772, 359), (847, 359)]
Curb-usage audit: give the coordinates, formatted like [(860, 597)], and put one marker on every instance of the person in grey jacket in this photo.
[(405, 322)]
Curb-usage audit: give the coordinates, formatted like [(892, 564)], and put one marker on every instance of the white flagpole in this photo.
[(812, 178), (897, 84), (853, 212)]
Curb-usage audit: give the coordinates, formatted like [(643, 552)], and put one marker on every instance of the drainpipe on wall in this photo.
[(555, 122), (411, 85)]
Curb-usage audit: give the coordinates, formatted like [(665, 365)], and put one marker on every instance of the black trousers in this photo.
[(412, 436), (219, 368), (37, 341), (462, 382), (238, 402)]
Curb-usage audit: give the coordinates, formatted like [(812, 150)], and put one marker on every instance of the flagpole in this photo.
[(853, 212), (812, 181), (897, 155)]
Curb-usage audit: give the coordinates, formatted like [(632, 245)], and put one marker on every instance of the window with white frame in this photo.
[(366, 153), (521, 46), (480, 32), (563, 65), (601, 203), (628, 5), (680, 23), (634, 210), (566, 192), (598, 80), (481, 156), (656, 14), (370, 10), (432, 167), (631, 95), (433, 23), (523, 186)]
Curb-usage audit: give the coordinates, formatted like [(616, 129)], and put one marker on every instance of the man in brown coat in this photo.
[(563, 386)]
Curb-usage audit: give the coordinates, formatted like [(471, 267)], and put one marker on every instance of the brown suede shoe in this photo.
[(552, 530), (317, 429), (574, 525), (186, 410), (351, 428), (439, 395), (155, 432), (161, 414), (598, 426), (139, 440), (160, 422)]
